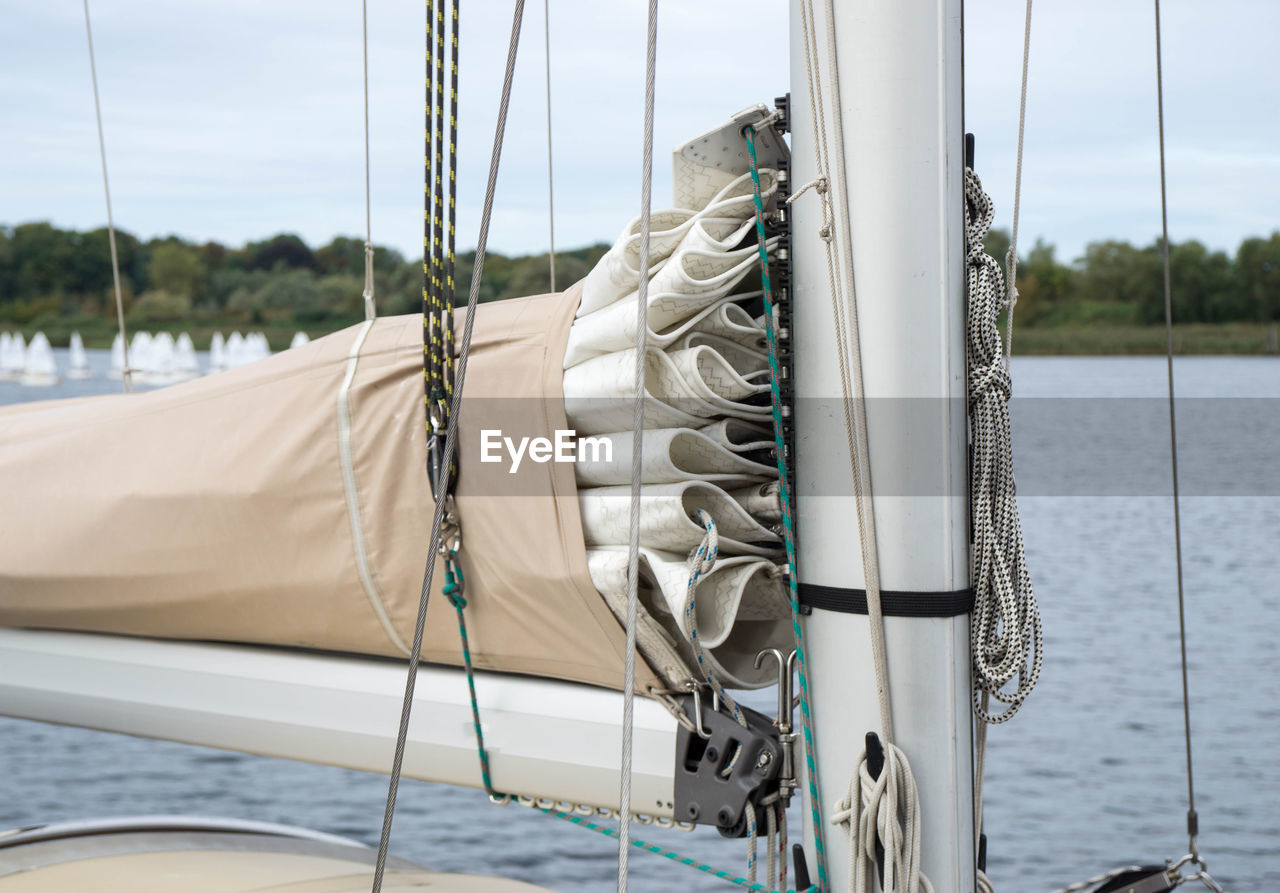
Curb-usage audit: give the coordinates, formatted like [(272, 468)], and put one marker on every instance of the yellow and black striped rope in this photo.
[(438, 233), (452, 201), (432, 385)]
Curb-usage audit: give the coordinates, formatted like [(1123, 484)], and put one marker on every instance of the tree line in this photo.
[(48, 275), (1116, 283), (55, 276)]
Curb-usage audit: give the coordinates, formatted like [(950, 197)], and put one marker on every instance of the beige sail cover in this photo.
[(219, 510)]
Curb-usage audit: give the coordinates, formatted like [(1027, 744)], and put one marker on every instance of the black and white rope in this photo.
[(1006, 633)]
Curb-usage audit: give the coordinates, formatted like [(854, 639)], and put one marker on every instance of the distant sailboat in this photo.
[(40, 370), (299, 339), (162, 368), (140, 357), (13, 356), (185, 363), (78, 366), (217, 353), (236, 354), (259, 348)]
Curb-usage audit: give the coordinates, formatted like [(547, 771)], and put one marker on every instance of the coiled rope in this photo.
[(1006, 633)]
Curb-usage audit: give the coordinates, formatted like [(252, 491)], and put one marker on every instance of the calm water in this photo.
[(1089, 776)]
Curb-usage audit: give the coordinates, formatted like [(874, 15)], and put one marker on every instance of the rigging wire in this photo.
[(1193, 829), (125, 372), (637, 446), (449, 447), (370, 310), (1011, 259), (551, 193)]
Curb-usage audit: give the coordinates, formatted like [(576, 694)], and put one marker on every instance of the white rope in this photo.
[(551, 192), (1006, 634), (370, 310), (125, 372), (896, 785), (884, 810), (855, 396), (1011, 259), (637, 446)]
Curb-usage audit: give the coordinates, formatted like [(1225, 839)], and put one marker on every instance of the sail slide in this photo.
[(543, 737)]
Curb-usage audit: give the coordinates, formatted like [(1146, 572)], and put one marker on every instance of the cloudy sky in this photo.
[(237, 119)]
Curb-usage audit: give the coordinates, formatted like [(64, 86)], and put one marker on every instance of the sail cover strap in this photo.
[(893, 604)]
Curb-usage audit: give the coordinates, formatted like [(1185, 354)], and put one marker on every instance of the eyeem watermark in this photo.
[(565, 446)]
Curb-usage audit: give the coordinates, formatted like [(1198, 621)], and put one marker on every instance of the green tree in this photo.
[(1257, 270), (160, 306), (285, 250), (1116, 272), (176, 268)]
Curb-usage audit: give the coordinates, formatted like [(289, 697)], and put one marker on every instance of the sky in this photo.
[(237, 119)]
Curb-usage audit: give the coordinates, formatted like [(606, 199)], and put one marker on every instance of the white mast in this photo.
[(900, 82)]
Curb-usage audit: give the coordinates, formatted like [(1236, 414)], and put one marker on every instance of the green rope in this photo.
[(454, 584), (670, 854), (788, 529)]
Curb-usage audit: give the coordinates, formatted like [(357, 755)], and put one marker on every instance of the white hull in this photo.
[(39, 381), (159, 854)]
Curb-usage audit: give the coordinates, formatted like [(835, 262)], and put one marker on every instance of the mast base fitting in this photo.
[(1151, 879), (721, 770)]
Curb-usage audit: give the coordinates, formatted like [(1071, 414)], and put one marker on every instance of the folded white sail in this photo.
[(707, 444)]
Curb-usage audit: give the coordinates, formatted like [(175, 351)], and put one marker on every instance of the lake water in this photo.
[(1090, 775)]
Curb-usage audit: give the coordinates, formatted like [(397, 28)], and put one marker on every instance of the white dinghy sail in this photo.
[(40, 368), (13, 356), (78, 360)]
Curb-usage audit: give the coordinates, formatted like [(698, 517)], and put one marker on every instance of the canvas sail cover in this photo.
[(223, 509), (286, 502)]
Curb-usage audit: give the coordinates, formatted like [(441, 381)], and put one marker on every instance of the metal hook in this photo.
[(697, 714), (786, 737), (784, 683)]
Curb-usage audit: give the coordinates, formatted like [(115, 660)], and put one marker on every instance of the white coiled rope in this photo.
[(1006, 620), (884, 810)]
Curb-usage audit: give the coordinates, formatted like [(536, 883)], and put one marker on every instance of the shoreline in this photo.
[(1191, 339)]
